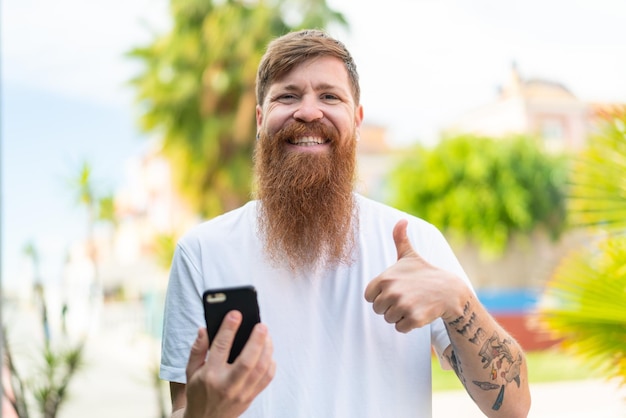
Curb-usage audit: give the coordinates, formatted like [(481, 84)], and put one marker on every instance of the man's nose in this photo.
[(308, 110)]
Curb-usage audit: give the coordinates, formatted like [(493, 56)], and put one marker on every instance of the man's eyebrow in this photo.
[(290, 87), (318, 87), (326, 86), (278, 88)]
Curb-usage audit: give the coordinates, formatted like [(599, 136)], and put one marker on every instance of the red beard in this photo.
[(307, 209)]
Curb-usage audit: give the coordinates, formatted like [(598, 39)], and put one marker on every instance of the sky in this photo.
[(65, 97)]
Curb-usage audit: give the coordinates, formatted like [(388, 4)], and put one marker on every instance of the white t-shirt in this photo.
[(335, 357)]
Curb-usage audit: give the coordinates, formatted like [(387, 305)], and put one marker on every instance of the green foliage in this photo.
[(598, 190), (106, 209), (46, 389), (585, 305), (585, 301), (164, 246), (197, 90), (483, 190), (100, 206), (82, 183), (50, 388)]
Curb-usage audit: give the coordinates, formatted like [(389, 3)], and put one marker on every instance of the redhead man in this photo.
[(353, 294)]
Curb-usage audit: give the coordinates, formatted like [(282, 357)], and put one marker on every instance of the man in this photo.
[(327, 264)]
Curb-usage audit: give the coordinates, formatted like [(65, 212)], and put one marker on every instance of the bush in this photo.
[(483, 190)]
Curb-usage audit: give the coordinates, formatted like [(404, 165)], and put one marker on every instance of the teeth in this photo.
[(307, 141)]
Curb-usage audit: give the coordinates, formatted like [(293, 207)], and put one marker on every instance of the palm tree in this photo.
[(47, 387), (100, 208), (197, 90), (30, 250), (584, 303)]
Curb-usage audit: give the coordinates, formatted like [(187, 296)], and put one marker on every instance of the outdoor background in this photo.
[(67, 108)]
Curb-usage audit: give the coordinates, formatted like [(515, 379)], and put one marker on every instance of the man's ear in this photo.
[(259, 117), (358, 116)]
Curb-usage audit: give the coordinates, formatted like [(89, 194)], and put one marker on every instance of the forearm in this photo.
[(488, 361)]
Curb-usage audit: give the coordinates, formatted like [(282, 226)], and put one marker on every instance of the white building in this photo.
[(540, 108)]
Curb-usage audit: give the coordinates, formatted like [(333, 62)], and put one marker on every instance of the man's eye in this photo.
[(286, 98), (330, 97)]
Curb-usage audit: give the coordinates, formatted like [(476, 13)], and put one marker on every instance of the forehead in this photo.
[(319, 72)]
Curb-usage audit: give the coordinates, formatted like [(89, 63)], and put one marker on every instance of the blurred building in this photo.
[(150, 216), (540, 108), (375, 159)]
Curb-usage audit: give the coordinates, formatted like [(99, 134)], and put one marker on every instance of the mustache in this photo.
[(299, 129)]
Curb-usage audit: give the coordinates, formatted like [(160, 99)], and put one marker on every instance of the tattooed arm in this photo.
[(491, 365), (488, 361)]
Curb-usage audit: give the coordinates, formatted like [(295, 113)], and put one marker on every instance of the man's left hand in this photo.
[(412, 292)]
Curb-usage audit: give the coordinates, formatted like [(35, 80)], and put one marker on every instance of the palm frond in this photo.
[(597, 195), (585, 305)]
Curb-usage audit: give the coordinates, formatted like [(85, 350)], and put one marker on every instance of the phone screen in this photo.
[(218, 302)]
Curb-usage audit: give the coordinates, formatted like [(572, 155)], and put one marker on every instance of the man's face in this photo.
[(317, 90), (305, 165)]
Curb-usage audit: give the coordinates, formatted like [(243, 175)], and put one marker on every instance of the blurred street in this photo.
[(572, 399)]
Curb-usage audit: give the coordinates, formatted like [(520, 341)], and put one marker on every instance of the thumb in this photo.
[(198, 352), (401, 239)]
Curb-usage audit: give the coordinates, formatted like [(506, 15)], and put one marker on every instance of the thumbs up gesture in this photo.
[(412, 292)]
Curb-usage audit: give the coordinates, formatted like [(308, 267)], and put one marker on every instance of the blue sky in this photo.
[(422, 62)]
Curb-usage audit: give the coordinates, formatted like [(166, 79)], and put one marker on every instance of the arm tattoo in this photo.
[(495, 353)]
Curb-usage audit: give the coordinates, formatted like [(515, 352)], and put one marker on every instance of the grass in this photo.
[(543, 366)]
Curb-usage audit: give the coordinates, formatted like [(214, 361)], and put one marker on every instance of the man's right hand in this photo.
[(217, 389)]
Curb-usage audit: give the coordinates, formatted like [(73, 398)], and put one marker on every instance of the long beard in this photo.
[(307, 209)]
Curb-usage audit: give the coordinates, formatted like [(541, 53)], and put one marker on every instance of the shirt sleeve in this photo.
[(183, 315)]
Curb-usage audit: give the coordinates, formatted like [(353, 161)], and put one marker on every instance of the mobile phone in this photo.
[(218, 302)]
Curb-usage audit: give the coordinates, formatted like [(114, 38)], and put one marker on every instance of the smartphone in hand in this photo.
[(218, 302)]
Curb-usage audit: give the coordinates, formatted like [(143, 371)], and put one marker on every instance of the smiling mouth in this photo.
[(308, 141)]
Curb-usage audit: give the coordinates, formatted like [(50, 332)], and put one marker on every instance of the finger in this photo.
[(263, 371), (245, 364), (372, 290), (220, 347), (253, 349), (381, 304), (265, 380), (197, 355), (403, 325), (411, 322), (268, 377), (392, 315), (400, 238)]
